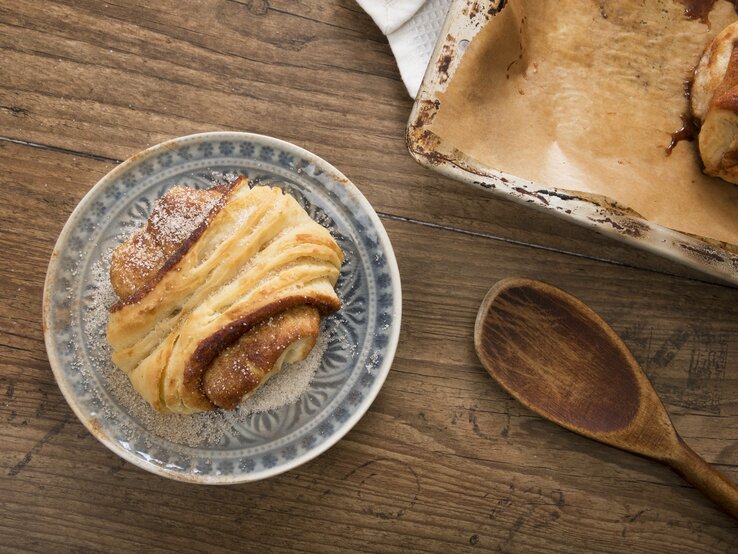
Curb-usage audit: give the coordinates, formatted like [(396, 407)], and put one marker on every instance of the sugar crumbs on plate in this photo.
[(197, 430)]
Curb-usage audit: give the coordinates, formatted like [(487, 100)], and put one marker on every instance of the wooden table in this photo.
[(444, 460)]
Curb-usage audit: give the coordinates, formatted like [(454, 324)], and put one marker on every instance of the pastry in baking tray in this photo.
[(714, 101), (217, 291)]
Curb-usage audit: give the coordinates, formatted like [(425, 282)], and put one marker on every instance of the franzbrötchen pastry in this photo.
[(217, 291)]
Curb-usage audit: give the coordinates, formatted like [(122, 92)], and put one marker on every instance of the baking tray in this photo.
[(465, 20)]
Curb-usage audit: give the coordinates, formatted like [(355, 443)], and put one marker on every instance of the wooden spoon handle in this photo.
[(707, 479)]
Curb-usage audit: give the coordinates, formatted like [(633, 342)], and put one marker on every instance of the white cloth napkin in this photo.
[(412, 27)]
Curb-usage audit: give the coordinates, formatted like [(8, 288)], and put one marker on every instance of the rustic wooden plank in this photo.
[(443, 461), (109, 79)]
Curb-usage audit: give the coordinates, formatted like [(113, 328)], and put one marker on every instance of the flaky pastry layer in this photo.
[(256, 271)]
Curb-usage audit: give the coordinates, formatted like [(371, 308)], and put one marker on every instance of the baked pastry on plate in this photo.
[(217, 291)]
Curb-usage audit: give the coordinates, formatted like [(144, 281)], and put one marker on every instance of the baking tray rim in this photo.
[(465, 19)]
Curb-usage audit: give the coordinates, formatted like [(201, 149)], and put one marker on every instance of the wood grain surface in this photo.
[(557, 357), (444, 460)]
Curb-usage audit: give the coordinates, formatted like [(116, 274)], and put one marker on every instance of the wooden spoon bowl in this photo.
[(560, 359)]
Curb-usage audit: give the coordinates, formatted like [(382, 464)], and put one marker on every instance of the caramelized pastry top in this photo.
[(174, 218)]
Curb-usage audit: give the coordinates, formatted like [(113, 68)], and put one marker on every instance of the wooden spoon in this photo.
[(561, 360)]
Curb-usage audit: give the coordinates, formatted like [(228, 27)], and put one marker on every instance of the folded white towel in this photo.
[(412, 28)]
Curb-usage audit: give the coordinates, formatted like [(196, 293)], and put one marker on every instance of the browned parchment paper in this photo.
[(584, 95)]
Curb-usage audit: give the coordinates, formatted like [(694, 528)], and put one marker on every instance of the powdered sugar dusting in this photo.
[(222, 177), (374, 361), (142, 257), (98, 301), (173, 224)]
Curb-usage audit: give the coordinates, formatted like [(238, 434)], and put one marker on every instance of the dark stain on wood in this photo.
[(28, 456), (16, 111), (373, 494)]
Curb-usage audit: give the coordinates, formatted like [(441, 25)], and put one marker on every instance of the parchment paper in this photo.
[(584, 95)]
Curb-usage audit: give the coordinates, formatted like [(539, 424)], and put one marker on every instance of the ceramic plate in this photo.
[(361, 337)]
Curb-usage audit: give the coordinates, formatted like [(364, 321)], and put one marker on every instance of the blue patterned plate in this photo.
[(222, 448)]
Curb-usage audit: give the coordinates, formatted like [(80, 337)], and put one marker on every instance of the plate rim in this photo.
[(92, 424)]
